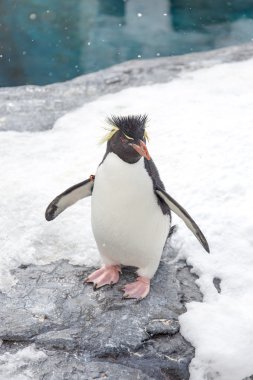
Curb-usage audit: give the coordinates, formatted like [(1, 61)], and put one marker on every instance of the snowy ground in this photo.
[(201, 139), (18, 366)]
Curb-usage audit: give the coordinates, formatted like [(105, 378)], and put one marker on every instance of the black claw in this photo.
[(95, 286)]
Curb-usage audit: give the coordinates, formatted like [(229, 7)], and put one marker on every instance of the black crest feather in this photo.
[(128, 123)]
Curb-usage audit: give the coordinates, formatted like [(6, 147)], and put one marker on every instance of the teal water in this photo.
[(47, 41)]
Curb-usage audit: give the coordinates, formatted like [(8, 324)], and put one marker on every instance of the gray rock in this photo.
[(162, 326), (35, 108), (90, 334)]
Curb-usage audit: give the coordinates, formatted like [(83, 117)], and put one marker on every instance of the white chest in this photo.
[(126, 219)]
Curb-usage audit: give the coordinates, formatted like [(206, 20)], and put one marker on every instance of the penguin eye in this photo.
[(128, 137)]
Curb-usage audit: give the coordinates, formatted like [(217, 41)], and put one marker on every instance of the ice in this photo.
[(201, 140)]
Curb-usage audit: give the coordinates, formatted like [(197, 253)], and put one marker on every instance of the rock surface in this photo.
[(90, 334), (35, 108)]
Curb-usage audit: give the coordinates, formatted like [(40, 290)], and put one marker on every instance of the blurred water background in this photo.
[(47, 41)]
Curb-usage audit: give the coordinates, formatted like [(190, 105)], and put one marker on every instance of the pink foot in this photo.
[(138, 289), (108, 275)]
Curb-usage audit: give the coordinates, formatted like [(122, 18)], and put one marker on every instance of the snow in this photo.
[(201, 140), (17, 366)]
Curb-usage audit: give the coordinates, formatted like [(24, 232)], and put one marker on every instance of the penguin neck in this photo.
[(115, 164)]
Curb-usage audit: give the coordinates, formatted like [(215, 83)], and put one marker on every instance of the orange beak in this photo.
[(142, 150)]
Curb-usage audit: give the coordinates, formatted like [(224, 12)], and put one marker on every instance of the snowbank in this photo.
[(201, 140)]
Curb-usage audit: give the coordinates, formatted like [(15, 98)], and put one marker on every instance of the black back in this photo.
[(157, 183)]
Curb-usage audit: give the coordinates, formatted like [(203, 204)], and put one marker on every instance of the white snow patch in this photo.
[(18, 366), (201, 140)]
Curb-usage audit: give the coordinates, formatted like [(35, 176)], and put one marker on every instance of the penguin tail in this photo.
[(172, 230)]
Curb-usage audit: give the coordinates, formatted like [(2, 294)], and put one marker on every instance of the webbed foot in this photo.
[(108, 275), (138, 289)]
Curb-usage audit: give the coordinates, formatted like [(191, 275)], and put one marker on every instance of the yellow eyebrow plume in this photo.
[(109, 135), (146, 136), (128, 137)]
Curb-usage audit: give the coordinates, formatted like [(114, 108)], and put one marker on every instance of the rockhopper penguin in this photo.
[(130, 209)]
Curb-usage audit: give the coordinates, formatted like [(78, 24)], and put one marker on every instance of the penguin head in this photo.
[(127, 137)]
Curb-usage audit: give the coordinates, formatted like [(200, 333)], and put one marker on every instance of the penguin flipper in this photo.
[(183, 214), (69, 197)]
